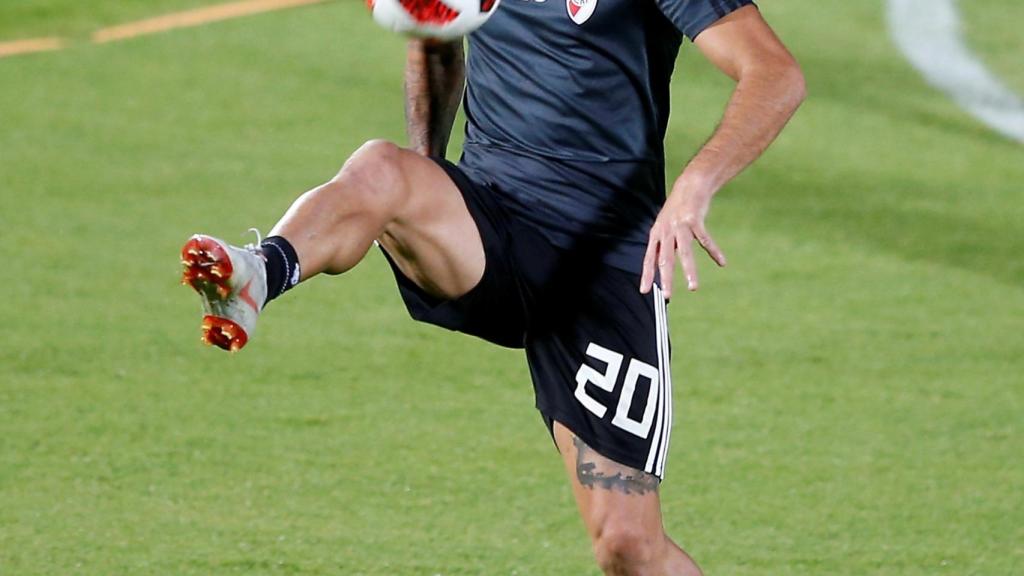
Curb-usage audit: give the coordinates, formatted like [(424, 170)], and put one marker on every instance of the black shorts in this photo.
[(598, 349)]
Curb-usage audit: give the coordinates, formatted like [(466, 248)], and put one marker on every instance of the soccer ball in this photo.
[(441, 19)]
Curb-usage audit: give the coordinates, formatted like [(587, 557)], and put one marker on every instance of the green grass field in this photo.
[(993, 28), (850, 391)]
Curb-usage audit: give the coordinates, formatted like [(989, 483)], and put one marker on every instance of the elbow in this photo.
[(794, 83), (781, 79), (799, 87)]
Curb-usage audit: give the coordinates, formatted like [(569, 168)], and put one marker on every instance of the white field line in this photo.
[(29, 46), (928, 33)]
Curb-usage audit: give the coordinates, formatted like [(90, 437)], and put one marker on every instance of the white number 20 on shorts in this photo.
[(606, 381)]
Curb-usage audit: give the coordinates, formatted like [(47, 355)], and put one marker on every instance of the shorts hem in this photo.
[(618, 456), (461, 314)]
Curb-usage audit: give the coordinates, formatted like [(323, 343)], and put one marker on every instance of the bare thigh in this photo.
[(607, 493), (433, 239), (403, 200)]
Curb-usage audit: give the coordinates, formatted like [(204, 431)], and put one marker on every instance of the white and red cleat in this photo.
[(232, 283)]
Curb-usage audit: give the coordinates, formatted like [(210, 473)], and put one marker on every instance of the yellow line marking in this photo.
[(184, 19), (196, 17), (30, 45)]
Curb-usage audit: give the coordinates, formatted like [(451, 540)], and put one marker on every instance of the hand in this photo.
[(680, 222)]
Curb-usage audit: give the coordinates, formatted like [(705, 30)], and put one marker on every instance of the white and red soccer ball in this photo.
[(440, 19)]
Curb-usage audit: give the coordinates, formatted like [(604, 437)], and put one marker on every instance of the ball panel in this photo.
[(439, 19), (431, 12)]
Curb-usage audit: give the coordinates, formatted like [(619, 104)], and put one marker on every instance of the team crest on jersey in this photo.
[(580, 10)]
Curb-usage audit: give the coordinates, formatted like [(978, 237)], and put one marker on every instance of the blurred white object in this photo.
[(929, 35)]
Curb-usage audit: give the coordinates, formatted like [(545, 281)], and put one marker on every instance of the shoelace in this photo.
[(259, 240)]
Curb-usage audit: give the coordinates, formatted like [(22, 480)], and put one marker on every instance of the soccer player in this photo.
[(553, 233)]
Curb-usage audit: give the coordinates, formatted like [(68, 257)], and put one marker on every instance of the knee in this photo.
[(626, 551), (372, 177), (374, 155)]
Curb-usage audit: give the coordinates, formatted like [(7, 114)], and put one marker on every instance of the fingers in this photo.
[(666, 267), (650, 257), (677, 240), (658, 260), (684, 251), (708, 244)]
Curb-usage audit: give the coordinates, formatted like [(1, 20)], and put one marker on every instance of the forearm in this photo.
[(769, 89), (435, 76), (763, 102)]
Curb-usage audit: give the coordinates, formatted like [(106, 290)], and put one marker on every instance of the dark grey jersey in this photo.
[(567, 106)]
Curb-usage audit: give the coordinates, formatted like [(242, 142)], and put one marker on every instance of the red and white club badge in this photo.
[(580, 10)]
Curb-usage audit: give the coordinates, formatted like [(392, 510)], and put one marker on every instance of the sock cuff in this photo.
[(275, 247), (282, 244)]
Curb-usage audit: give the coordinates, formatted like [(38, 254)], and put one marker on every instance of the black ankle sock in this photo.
[(282, 266)]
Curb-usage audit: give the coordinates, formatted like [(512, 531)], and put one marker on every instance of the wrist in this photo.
[(692, 183)]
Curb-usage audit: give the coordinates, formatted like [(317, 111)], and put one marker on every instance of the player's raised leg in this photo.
[(396, 196), (383, 192), (622, 513)]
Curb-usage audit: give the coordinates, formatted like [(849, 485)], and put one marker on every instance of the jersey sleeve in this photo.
[(692, 17)]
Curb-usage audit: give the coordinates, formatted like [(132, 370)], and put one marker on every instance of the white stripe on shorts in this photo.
[(663, 423), (666, 432), (650, 466)]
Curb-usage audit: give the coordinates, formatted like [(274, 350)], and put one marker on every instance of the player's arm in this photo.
[(769, 89), (435, 77)]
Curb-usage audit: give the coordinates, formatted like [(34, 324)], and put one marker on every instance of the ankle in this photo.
[(282, 265)]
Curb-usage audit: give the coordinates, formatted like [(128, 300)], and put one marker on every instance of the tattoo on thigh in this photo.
[(631, 482)]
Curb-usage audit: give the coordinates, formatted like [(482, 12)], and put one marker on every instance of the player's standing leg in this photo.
[(622, 513)]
